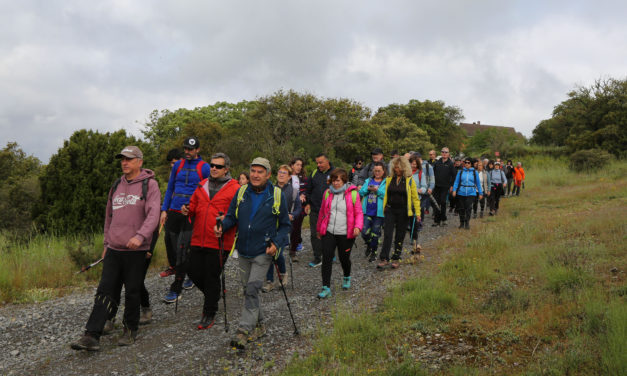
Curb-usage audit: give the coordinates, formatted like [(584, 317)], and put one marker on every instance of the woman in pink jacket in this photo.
[(340, 221)]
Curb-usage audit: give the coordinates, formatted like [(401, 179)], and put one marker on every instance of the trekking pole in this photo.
[(289, 307), (86, 268), (435, 203), (292, 272), (221, 242)]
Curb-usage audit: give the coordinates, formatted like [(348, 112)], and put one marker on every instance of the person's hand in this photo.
[(133, 243), (148, 255), (185, 209), (488, 193), (302, 198), (217, 231), (450, 189), (291, 217), (454, 193), (356, 231), (480, 197), (307, 209), (104, 252), (164, 215), (271, 250), (429, 191), (318, 235)]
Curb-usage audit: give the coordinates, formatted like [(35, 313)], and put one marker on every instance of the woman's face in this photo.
[(297, 167), (243, 179), (397, 171), (414, 165), (479, 167), (282, 176), (378, 172), (337, 183)]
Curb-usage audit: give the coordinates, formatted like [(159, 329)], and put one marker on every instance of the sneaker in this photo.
[(127, 337), (86, 342), (334, 260), (168, 272), (294, 258), (171, 297), (373, 257), (382, 265), (491, 213), (207, 321), (325, 293), (346, 284), (268, 286), (435, 224), (299, 247), (443, 223), (109, 327), (315, 263), (188, 284), (145, 317), (240, 340)]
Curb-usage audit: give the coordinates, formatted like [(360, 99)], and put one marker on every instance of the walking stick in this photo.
[(435, 203), (292, 272), (86, 268), (223, 282), (289, 307)]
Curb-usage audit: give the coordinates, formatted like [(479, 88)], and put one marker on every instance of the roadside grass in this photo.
[(45, 266), (538, 290)]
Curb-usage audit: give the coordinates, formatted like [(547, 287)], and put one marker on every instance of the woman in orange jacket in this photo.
[(519, 178)]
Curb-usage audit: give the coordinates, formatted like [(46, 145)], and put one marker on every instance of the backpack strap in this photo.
[(354, 197), (276, 205), (240, 197), (199, 168), (182, 160)]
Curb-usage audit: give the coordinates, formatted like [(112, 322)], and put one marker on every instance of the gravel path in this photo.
[(36, 337)]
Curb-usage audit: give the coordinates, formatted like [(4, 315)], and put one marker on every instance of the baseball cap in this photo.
[(191, 142), (259, 161), (376, 151), (130, 152)]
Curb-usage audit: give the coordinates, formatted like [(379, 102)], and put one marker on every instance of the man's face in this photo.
[(377, 157), (191, 153), (131, 166), (432, 154), (258, 176), (445, 154), (322, 163), (218, 168)]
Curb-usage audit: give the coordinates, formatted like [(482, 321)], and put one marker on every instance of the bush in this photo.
[(591, 159)]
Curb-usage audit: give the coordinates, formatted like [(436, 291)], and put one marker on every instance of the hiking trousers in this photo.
[(440, 193), (205, 269), (316, 244), (295, 234), (252, 272), (395, 219), (465, 207), (343, 245), (128, 268), (372, 231)]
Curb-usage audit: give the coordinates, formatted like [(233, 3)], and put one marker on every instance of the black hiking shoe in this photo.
[(127, 337), (86, 342), (207, 321), (467, 225)]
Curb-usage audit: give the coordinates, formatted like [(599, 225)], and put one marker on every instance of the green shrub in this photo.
[(591, 159)]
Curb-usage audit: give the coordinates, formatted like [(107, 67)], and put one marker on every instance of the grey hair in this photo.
[(227, 160)]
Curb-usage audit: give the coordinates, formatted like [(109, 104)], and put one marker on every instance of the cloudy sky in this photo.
[(67, 65)]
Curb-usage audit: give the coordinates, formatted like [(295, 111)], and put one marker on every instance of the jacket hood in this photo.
[(144, 173)]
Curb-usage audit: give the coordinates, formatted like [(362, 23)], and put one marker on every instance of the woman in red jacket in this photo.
[(212, 196), (519, 178)]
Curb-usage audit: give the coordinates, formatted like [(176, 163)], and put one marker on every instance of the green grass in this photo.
[(542, 284)]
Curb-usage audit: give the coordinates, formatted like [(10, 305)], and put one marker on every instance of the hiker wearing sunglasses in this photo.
[(466, 188)]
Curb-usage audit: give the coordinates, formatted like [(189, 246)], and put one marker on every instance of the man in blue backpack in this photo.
[(261, 215), (184, 178)]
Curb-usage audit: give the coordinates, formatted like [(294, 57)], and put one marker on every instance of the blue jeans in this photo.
[(372, 231)]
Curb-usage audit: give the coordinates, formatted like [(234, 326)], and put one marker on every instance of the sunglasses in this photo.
[(467, 162), (218, 166), (444, 152)]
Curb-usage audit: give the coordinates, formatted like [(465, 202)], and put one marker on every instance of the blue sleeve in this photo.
[(363, 190), (285, 225), (167, 199), (457, 179), (206, 171), (298, 207), (432, 180), (229, 219)]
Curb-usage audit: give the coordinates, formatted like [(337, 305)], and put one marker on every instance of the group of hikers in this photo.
[(208, 216)]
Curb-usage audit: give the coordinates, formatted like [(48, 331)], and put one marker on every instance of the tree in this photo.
[(401, 134), (75, 184), (491, 140), (19, 189), (592, 117)]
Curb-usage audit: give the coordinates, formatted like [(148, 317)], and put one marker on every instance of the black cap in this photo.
[(376, 151), (191, 143)]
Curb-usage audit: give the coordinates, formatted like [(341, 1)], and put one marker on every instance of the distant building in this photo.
[(475, 127)]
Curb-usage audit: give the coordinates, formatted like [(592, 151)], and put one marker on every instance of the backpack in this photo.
[(474, 180), (353, 195), (198, 168), (276, 209)]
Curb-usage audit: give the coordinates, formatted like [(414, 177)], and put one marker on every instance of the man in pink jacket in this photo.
[(131, 218)]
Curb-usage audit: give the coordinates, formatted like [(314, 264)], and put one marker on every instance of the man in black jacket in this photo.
[(367, 171), (444, 173), (317, 184)]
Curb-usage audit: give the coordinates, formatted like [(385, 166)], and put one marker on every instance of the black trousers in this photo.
[(481, 203), (175, 225), (495, 196), (439, 193), (394, 224), (295, 234), (343, 245), (465, 207), (128, 268), (316, 244), (205, 269)]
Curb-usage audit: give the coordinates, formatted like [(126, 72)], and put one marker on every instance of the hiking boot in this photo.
[(168, 272), (467, 225), (315, 263), (435, 224), (268, 286), (258, 332), (481, 214), (86, 342), (171, 297), (443, 223), (145, 317), (188, 284), (108, 327), (240, 340), (299, 247), (373, 257), (346, 284), (382, 265), (127, 337), (294, 257), (325, 293), (461, 224), (491, 213), (207, 321), (285, 279)]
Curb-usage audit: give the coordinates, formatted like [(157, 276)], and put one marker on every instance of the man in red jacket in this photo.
[(130, 221), (212, 196)]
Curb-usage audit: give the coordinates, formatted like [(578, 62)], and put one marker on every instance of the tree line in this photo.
[(68, 195)]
